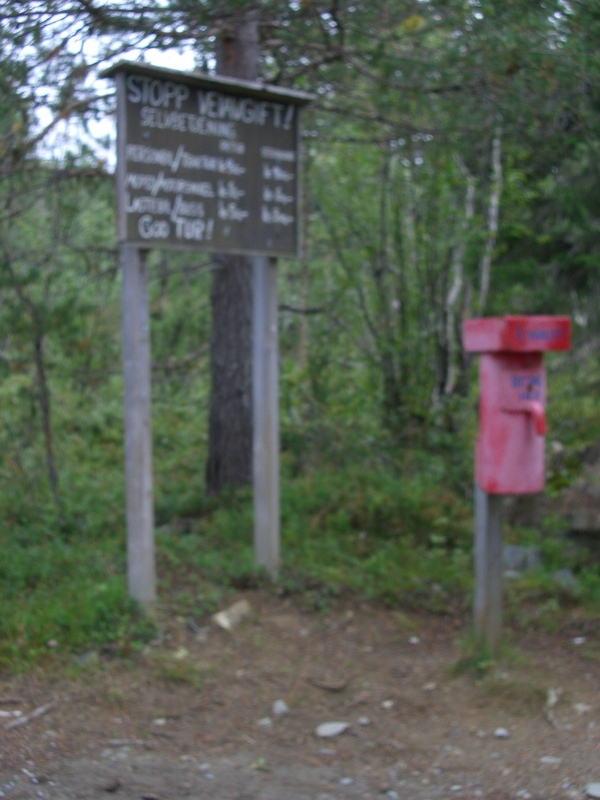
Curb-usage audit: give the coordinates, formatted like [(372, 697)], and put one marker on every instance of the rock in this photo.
[(87, 659), (327, 730), (511, 574), (501, 733), (550, 760), (232, 616), (516, 558), (593, 790), (204, 770), (265, 722), (280, 708), (566, 581), (552, 697), (330, 685), (201, 632)]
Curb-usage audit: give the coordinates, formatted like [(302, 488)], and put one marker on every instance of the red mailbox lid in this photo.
[(520, 334)]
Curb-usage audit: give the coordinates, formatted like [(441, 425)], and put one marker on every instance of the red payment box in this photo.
[(509, 453)]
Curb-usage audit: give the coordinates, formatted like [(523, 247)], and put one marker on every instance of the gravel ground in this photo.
[(206, 713)]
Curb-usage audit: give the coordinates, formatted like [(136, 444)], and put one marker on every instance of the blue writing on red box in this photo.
[(528, 386)]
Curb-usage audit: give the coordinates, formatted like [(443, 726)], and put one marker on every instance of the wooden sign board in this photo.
[(206, 163)]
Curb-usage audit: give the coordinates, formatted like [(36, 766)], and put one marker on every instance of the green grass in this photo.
[(359, 519), (387, 533), (179, 669), (59, 598)]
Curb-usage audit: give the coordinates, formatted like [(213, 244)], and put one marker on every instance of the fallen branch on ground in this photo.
[(37, 712)]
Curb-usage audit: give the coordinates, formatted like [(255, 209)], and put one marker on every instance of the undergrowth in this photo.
[(367, 520)]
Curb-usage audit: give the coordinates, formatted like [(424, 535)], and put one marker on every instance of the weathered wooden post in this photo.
[(138, 437), (265, 405), (487, 601)]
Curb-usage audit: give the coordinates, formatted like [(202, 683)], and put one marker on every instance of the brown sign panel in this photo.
[(206, 163)]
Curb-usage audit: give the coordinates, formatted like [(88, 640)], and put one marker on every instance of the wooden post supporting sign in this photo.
[(138, 437), (265, 380)]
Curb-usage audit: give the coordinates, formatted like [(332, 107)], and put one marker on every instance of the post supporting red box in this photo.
[(509, 452)]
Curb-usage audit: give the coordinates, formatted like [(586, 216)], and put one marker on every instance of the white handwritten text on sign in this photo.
[(208, 168)]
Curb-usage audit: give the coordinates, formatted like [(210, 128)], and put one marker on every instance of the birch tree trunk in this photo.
[(493, 215), (456, 288)]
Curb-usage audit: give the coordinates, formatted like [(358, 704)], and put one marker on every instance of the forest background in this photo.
[(449, 171)]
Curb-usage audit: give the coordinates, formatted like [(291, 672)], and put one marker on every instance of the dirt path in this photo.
[(193, 716)]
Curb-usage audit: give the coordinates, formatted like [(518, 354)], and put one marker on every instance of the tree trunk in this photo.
[(43, 396), (456, 289), (493, 215), (230, 423)]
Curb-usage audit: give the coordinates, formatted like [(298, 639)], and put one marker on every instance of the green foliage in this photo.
[(377, 532), (474, 658), (477, 660), (589, 580), (176, 668), (371, 530), (387, 529), (573, 414), (59, 598)]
